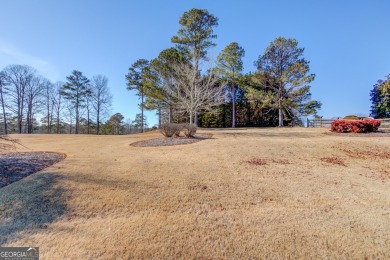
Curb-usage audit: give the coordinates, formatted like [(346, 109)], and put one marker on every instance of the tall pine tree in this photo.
[(76, 90), (287, 74), (230, 66), (136, 81)]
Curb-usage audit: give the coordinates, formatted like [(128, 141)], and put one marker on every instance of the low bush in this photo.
[(355, 126), (170, 129), (189, 130)]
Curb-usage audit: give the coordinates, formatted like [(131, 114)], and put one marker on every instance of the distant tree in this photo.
[(135, 80), (138, 121), (58, 105), (69, 114), (128, 126), (2, 84), (86, 126), (287, 75), (101, 97), (376, 110), (114, 125), (34, 94), (17, 78), (88, 107), (380, 99), (230, 65), (47, 91), (76, 90)]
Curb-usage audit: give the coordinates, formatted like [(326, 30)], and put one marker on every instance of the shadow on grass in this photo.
[(204, 136), (225, 129), (30, 205)]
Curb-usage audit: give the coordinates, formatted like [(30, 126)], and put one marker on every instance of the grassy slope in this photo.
[(204, 200)]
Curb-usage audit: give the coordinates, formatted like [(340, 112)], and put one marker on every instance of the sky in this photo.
[(347, 42)]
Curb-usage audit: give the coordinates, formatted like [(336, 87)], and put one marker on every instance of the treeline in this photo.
[(31, 103), (183, 86)]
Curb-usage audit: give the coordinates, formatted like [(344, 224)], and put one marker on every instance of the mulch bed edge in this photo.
[(15, 166)]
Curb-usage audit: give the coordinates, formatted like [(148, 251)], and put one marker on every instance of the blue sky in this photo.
[(347, 42)]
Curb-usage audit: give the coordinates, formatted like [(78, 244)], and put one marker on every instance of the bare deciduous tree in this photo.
[(69, 113), (17, 78), (47, 91), (34, 91), (101, 97), (196, 92), (2, 84), (58, 103)]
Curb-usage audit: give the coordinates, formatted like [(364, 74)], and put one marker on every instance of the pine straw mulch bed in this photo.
[(170, 141), (16, 166)]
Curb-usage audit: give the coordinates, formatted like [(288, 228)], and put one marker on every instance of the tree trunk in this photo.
[(159, 117), (233, 91), (20, 120), (97, 119), (58, 124), (51, 118), (77, 115), (197, 75), (48, 117), (58, 107), (31, 121), (280, 114), (196, 119), (190, 118), (4, 116), (58, 119), (170, 114), (280, 105), (142, 112), (77, 121), (29, 112), (87, 121), (21, 116), (31, 118)]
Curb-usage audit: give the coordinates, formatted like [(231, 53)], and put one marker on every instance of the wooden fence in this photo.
[(385, 123), (319, 122)]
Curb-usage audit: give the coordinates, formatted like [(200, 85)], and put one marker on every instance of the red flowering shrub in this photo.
[(355, 126)]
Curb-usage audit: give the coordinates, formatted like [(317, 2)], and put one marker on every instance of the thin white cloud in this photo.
[(11, 55)]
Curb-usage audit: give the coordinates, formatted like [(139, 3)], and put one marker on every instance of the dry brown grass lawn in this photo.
[(245, 193)]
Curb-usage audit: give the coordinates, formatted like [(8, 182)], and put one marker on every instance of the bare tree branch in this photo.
[(195, 92)]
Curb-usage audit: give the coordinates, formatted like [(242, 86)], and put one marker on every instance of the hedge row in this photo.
[(355, 126), (174, 130)]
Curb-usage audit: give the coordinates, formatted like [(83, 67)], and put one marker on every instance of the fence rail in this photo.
[(385, 123), (319, 122)]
